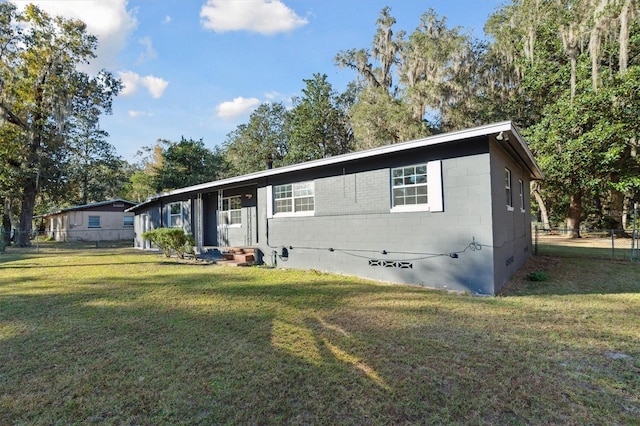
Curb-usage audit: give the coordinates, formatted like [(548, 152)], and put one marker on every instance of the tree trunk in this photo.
[(6, 222), (616, 205), (543, 209), (23, 239), (575, 215)]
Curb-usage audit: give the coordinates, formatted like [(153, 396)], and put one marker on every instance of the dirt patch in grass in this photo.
[(520, 281), (592, 240)]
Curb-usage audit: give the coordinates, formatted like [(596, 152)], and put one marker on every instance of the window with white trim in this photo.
[(294, 198), (94, 222), (417, 187), (507, 187), (409, 185), (521, 184), (231, 211), (175, 215)]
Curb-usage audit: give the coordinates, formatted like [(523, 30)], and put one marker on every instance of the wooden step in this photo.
[(239, 250), (239, 257)]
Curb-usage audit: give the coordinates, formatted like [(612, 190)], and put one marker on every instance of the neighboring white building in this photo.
[(103, 221)]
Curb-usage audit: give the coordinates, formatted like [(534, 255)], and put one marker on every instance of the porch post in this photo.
[(199, 231)]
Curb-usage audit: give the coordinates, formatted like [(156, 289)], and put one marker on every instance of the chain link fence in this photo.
[(615, 244), (95, 237)]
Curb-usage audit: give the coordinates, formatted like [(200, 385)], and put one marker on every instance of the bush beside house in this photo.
[(171, 240)]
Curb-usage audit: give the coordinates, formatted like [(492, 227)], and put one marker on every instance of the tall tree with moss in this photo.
[(436, 71), (575, 69), (41, 89)]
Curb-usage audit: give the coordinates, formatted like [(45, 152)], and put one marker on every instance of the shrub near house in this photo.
[(171, 240)]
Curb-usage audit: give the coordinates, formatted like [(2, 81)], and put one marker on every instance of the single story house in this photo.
[(448, 211), (103, 221)]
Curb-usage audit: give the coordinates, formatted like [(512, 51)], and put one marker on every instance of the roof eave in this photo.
[(485, 130)]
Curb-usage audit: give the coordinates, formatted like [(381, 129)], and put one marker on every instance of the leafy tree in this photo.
[(437, 68), (319, 125), (385, 49), (575, 76), (95, 172), (264, 138), (41, 92), (379, 119), (186, 163), (140, 185)]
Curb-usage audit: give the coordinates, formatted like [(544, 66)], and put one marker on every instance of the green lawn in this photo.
[(117, 336)]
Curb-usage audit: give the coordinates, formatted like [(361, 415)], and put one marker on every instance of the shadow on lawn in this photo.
[(227, 347)]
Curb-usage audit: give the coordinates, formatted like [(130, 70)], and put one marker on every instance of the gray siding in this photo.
[(354, 193), (353, 228), (512, 228), (146, 220), (471, 243)]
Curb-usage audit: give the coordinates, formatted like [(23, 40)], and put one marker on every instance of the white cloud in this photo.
[(110, 21), (135, 114), (167, 20), (155, 85), (237, 107), (149, 52), (261, 16), (273, 95), (132, 81)]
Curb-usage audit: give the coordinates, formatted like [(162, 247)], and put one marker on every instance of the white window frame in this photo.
[(226, 213), (508, 189), (295, 193), (432, 184), (172, 215), (522, 206), (94, 217)]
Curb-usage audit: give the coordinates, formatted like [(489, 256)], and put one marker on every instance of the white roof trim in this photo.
[(505, 126)]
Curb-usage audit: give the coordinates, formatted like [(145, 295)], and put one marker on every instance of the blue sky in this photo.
[(198, 68)]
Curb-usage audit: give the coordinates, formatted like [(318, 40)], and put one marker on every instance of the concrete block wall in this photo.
[(353, 228), (512, 229), (355, 193)]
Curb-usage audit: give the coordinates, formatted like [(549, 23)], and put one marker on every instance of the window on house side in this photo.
[(521, 194), (409, 185), (507, 186), (127, 221), (417, 188), (94, 222), (175, 215), (298, 198), (231, 212)]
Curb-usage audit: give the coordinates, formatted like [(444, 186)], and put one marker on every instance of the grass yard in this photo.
[(118, 336)]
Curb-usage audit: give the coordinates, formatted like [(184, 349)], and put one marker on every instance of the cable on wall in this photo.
[(360, 253)]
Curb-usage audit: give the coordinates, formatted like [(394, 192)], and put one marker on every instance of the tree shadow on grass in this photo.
[(221, 346), (566, 275)]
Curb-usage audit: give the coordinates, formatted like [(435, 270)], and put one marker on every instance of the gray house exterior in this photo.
[(450, 211)]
